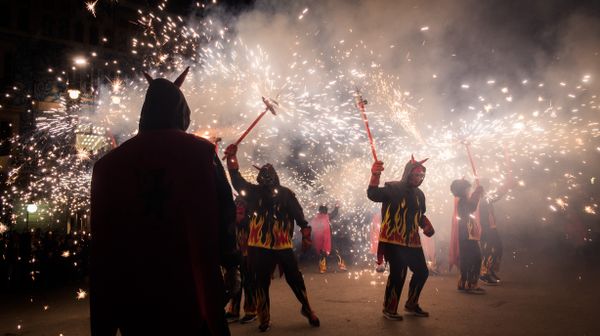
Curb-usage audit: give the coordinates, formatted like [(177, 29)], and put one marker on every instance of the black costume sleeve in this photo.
[(473, 201), (296, 211), (239, 182), (376, 194), (226, 216)]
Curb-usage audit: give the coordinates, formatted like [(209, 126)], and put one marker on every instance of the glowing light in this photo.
[(32, 208), (74, 93), (81, 294), (91, 7), (115, 100), (80, 60), (590, 210)]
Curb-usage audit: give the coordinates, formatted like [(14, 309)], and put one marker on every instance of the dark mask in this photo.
[(267, 176)]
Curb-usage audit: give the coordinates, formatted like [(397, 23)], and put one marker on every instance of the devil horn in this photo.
[(412, 159), (423, 161), (148, 77), (181, 77)]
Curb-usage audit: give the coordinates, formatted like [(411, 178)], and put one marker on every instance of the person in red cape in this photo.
[(468, 235), (274, 209), (162, 223), (321, 231), (403, 212)]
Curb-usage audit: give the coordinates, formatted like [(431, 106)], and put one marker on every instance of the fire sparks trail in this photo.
[(317, 141)]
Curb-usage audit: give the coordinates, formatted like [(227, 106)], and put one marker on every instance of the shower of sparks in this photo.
[(81, 294), (91, 7), (317, 141)]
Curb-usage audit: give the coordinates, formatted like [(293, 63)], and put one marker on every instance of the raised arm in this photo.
[(237, 180), (374, 193), (473, 201)]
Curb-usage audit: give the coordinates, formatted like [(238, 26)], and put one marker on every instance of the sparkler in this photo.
[(230, 72), (269, 107), (360, 103), (91, 7)]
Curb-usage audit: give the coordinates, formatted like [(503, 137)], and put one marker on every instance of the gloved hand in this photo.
[(306, 239), (376, 170), (427, 227), (230, 155)]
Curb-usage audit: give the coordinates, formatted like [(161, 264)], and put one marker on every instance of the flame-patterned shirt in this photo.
[(272, 211), (402, 212)]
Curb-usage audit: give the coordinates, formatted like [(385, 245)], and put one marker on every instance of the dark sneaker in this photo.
[(231, 317), (475, 290), (264, 327), (313, 320), (488, 280), (392, 316), (416, 311), (495, 277), (248, 318)]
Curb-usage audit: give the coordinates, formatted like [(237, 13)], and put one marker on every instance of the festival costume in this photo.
[(403, 212), (468, 234), (321, 233), (165, 188), (491, 244), (273, 209)]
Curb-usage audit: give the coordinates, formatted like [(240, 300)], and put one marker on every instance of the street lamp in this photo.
[(74, 93), (79, 60), (31, 208)]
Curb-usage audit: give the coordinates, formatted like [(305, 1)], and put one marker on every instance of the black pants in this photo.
[(248, 289), (470, 262), (491, 250), (262, 264), (400, 258)]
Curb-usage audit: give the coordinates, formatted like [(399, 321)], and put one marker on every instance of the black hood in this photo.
[(164, 107), (267, 176)]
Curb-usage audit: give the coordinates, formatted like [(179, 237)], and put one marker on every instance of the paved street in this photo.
[(534, 299)]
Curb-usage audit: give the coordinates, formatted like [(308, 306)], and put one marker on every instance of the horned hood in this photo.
[(410, 165), (165, 106)]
